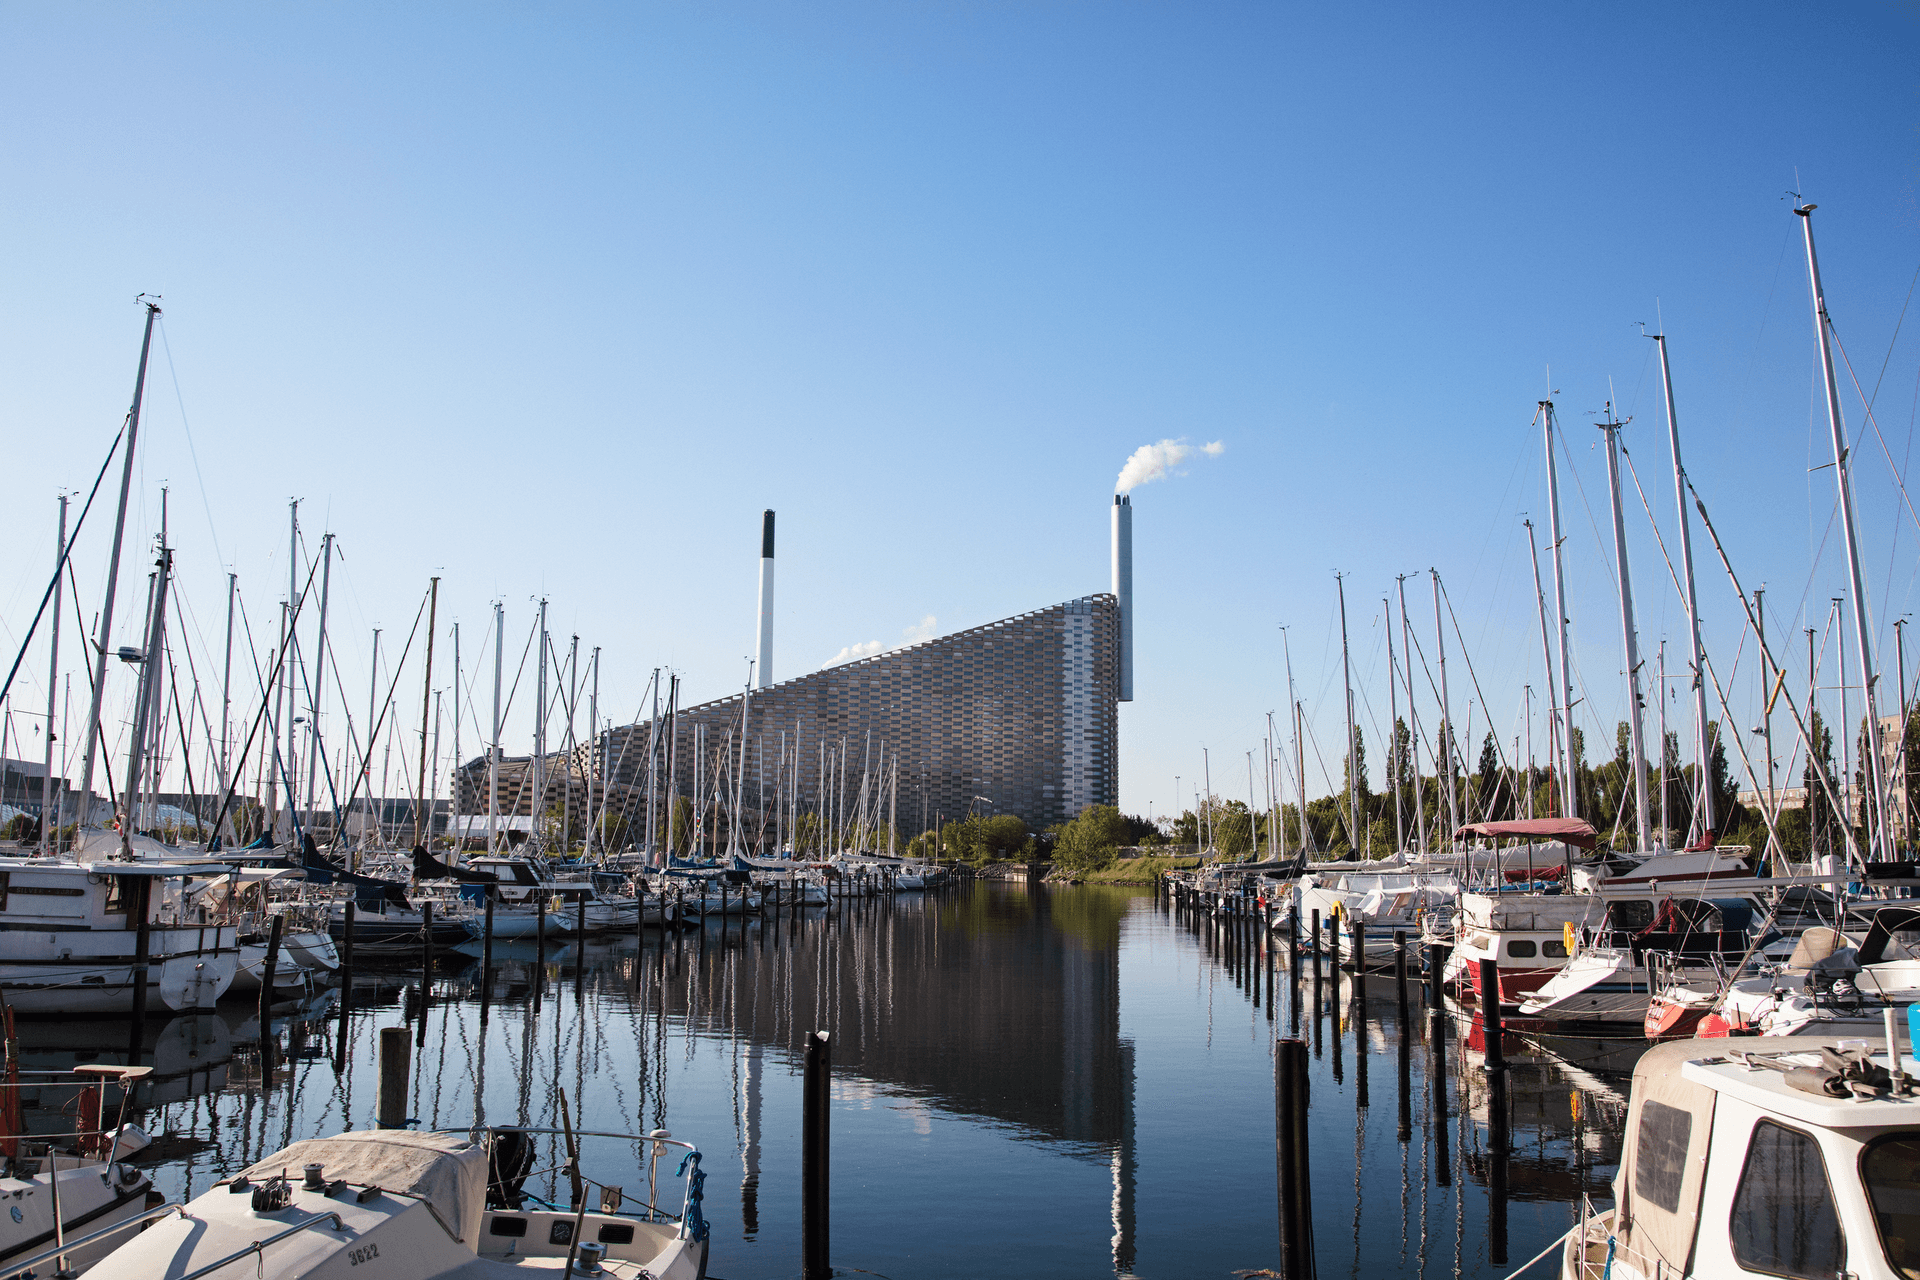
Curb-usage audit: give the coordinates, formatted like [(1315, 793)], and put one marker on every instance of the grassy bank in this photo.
[(1137, 870)]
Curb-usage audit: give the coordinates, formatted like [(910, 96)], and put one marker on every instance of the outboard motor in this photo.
[(509, 1161)]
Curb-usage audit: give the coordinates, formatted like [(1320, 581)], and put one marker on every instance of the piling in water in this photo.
[(266, 1001), (815, 1164), (390, 1110), (426, 965), (1490, 1016), (486, 960)]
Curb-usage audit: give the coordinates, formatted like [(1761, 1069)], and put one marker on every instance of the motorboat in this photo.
[(1833, 983), (70, 933), (430, 1206), (1782, 1157), (1610, 977), (83, 1180)]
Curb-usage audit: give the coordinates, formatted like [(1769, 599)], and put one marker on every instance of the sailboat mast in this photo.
[(1393, 728), (540, 734), (289, 673), (319, 672), (1299, 748), (100, 648), (1877, 834), (1443, 769), (422, 822), (1413, 724), (143, 704), (1546, 653), (1629, 639), (593, 737), (493, 750), (1696, 659), (1569, 794), (49, 809), (1353, 746)]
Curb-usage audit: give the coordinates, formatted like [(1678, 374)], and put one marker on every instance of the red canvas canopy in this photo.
[(1571, 830)]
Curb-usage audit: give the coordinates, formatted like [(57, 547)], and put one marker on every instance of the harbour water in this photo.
[(1028, 1081)]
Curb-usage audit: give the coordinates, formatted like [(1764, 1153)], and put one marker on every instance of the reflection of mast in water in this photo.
[(750, 1147), (1125, 1167)]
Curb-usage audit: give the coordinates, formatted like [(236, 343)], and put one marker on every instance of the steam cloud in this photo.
[(1154, 461), (925, 629)]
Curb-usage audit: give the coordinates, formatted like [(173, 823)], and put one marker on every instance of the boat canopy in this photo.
[(1663, 1163), (1572, 831), (1887, 921), (447, 1170)]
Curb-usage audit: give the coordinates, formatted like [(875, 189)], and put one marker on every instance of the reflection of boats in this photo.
[(434, 1205), (1786, 1157), (188, 1055)]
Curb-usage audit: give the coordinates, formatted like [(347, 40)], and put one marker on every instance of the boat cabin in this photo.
[(1767, 1157)]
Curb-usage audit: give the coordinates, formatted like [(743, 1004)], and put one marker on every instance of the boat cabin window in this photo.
[(1522, 950), (121, 891), (1783, 1221), (1890, 1166), (1554, 950), (1660, 1160), (1629, 914)]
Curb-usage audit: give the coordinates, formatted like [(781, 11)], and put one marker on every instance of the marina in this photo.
[(1115, 1112)]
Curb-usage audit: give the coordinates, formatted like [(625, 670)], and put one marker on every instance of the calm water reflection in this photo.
[(1029, 1082)]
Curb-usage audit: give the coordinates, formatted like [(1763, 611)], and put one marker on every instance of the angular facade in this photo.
[(1017, 716)]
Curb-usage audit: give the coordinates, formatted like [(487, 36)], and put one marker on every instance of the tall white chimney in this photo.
[(763, 663), (1123, 587)]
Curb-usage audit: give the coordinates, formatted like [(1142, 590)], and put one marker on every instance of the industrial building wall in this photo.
[(1022, 712)]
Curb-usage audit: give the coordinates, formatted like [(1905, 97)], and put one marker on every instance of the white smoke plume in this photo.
[(1154, 461), (925, 629)]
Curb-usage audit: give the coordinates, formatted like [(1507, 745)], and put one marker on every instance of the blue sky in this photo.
[(555, 299)]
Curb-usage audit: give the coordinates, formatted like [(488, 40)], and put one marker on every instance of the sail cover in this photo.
[(428, 867), (1570, 830)]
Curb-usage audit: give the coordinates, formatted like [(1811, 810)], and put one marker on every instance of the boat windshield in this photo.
[(1890, 1166)]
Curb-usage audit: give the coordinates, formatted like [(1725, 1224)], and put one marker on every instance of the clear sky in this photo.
[(554, 299)]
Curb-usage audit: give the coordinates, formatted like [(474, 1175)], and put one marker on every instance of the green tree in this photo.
[(1823, 823), (1489, 784), (1089, 841)]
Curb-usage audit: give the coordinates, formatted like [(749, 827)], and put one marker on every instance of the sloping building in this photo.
[(1018, 716)]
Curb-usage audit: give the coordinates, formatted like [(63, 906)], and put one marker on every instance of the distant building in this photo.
[(1018, 716)]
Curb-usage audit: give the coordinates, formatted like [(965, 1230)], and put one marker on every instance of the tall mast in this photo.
[(1546, 653), (1767, 680), (226, 685), (593, 737), (100, 650), (1353, 750), (143, 704), (422, 825), (1444, 765), (1696, 653), (49, 809), (1862, 637), (740, 774), (366, 756), (319, 672), (1569, 794), (1628, 637), (1299, 749), (540, 730), (493, 750), (1393, 728), (1660, 697), (289, 675), (1413, 724), (459, 764)]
